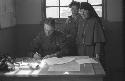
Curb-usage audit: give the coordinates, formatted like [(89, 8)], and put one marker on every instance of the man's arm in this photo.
[(67, 25), (34, 46), (64, 49)]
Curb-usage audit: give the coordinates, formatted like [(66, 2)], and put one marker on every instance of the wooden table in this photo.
[(88, 72)]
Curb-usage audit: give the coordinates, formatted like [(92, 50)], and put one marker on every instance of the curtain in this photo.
[(43, 10), (7, 13)]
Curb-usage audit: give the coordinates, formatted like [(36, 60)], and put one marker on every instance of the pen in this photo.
[(45, 57)]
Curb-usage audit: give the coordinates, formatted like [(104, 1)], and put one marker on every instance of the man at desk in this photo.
[(49, 43)]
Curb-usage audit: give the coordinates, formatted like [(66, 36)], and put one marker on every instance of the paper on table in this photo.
[(11, 72), (55, 60), (89, 60), (24, 72), (71, 66), (36, 72)]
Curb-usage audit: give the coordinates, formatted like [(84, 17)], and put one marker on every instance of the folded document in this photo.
[(88, 60), (55, 60), (70, 66)]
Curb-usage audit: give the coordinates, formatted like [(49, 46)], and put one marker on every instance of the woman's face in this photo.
[(74, 10), (83, 13)]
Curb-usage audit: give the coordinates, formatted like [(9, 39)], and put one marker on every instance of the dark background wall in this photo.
[(28, 14), (8, 41), (15, 40), (114, 33)]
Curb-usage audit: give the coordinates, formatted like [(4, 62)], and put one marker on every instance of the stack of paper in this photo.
[(36, 72), (24, 72), (11, 72), (55, 60), (71, 66), (88, 60)]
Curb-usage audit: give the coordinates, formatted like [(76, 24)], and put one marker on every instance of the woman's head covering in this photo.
[(91, 10), (88, 6)]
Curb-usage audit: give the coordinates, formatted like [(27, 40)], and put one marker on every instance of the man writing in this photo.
[(49, 43)]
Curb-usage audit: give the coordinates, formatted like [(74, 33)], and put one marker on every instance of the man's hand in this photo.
[(37, 56), (49, 56)]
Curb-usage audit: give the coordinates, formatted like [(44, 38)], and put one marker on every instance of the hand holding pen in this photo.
[(37, 56)]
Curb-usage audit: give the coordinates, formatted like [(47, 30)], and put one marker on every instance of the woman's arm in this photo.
[(99, 39)]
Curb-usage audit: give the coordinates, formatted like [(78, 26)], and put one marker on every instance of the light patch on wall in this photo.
[(28, 11), (114, 10), (7, 13)]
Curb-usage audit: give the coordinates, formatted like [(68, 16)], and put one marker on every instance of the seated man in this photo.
[(49, 42)]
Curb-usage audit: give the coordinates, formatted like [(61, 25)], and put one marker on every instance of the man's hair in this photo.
[(74, 3), (50, 21)]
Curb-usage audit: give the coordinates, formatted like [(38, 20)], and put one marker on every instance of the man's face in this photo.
[(48, 29), (74, 10)]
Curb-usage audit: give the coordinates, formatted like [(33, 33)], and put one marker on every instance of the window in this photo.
[(60, 9)]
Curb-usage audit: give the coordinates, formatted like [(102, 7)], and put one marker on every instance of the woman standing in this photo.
[(90, 36)]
